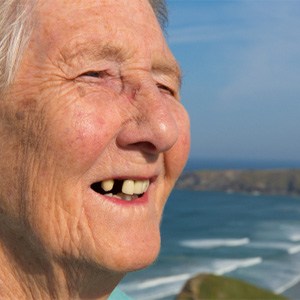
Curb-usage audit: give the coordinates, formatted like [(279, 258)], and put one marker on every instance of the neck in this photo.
[(29, 272)]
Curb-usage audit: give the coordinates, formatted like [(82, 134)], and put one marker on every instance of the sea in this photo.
[(255, 238)]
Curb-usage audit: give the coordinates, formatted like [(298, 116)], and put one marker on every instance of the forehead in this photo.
[(64, 22), (72, 11)]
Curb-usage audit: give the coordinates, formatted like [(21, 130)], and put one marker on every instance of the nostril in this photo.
[(145, 146)]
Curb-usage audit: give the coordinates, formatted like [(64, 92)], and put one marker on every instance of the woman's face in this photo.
[(94, 135)]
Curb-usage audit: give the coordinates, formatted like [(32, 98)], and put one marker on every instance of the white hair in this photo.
[(14, 35), (161, 12), (15, 29)]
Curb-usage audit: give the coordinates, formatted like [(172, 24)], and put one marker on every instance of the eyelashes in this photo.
[(105, 76), (95, 74), (165, 89)]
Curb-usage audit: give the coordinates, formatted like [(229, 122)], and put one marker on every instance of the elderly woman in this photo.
[(93, 137)]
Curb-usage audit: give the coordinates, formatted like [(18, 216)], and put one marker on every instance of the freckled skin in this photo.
[(64, 128)]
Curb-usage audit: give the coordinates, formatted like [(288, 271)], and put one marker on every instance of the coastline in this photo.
[(256, 182)]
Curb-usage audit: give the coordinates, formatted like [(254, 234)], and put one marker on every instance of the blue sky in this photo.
[(241, 76)]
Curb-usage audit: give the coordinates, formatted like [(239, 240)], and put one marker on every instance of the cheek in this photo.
[(184, 139), (177, 156), (184, 130), (82, 137)]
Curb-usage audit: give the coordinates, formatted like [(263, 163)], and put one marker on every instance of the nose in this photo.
[(151, 126)]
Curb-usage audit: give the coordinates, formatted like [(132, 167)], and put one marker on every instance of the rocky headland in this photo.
[(273, 182)]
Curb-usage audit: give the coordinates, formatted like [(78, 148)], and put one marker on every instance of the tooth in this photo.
[(145, 185), (107, 185), (127, 197), (138, 187), (124, 196), (128, 187)]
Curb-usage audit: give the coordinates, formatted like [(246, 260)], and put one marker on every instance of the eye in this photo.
[(165, 89), (95, 74), (108, 79)]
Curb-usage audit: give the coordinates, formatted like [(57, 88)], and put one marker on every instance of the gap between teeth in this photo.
[(129, 186)]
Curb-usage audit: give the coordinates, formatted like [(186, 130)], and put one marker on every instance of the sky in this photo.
[(241, 76)]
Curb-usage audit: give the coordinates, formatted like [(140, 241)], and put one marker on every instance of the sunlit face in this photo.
[(94, 135)]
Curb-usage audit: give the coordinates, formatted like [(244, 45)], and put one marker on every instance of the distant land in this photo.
[(273, 181)]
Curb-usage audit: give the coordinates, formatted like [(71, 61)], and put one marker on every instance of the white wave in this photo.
[(156, 288), (214, 243), (294, 249), (162, 280), (271, 245), (291, 248), (226, 266), (287, 285), (155, 282), (294, 237)]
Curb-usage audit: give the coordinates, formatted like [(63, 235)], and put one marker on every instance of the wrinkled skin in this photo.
[(63, 128)]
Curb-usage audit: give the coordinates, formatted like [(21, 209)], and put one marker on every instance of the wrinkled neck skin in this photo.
[(29, 272)]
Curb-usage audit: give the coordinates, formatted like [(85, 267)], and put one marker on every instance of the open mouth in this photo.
[(127, 189)]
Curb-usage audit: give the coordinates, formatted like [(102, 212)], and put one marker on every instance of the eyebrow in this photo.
[(96, 51), (111, 53)]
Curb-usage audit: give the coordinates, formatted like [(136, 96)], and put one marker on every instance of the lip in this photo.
[(139, 201)]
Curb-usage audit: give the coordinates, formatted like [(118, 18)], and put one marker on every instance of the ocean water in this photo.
[(254, 238)]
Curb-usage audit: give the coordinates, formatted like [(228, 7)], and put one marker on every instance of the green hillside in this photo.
[(208, 287)]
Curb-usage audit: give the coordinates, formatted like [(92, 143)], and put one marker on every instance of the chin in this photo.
[(133, 259), (132, 246)]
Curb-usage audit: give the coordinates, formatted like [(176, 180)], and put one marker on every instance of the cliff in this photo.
[(275, 182), (206, 286)]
